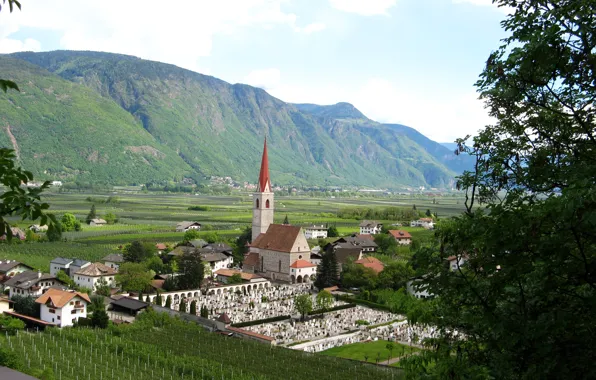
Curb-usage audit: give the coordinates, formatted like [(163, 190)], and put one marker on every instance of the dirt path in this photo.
[(13, 140)]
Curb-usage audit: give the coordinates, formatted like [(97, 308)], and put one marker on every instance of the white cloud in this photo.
[(8, 45), (265, 79), (484, 3), (150, 29), (364, 7), (311, 28)]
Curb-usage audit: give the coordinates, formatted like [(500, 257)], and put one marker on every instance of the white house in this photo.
[(10, 268), (68, 266), (216, 261), (97, 222), (90, 276), (63, 307), (423, 222), (113, 260), (5, 305), (315, 232), (456, 262), (38, 228), (31, 283), (415, 288), (302, 271), (185, 226), (370, 227)]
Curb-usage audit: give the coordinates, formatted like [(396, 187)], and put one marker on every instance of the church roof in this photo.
[(302, 264), (279, 237), (252, 259), (264, 179)]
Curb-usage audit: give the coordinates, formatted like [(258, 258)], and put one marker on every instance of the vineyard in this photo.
[(165, 348)]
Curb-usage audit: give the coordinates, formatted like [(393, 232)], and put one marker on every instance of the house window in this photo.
[(73, 311), (257, 204), (58, 317), (72, 303), (267, 203), (53, 311)]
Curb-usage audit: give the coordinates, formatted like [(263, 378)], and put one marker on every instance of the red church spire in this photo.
[(264, 181)]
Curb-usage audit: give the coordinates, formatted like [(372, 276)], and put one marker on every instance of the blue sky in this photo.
[(412, 62)]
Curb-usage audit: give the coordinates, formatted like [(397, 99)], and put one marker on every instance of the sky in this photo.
[(411, 62)]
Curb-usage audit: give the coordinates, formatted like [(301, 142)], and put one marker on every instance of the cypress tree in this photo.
[(169, 302), (193, 307), (158, 299), (286, 221), (147, 299), (327, 271), (140, 296), (182, 306), (92, 214)]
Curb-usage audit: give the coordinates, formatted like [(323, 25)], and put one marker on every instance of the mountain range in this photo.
[(97, 117)]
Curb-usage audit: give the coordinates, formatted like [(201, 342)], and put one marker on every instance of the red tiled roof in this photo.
[(59, 298), (400, 234), (279, 237), (97, 269), (264, 181), (249, 333), (223, 317), (302, 264), (372, 263), (365, 236), (160, 246), (231, 272)]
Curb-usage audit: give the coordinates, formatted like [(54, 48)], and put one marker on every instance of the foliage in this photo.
[(387, 244), (70, 222), (193, 307), (54, 232), (240, 248), (62, 276), (182, 305), (11, 325), (327, 271), (358, 276), (332, 232), (138, 251), (324, 300), (192, 234), (303, 304), (24, 202), (199, 208), (100, 319), (168, 302), (92, 214), (204, 311), (191, 270), (97, 303), (10, 359), (529, 279), (110, 218), (263, 321), (395, 275), (26, 305), (210, 237), (171, 284), (388, 213), (235, 279), (155, 264), (134, 276)]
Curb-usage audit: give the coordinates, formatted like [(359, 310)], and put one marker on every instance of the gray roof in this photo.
[(61, 261), (198, 243), (80, 262), (27, 279), (5, 266), (130, 303), (342, 255), (213, 256), (219, 247), (369, 223), (355, 241), (114, 258), (186, 224), (181, 250)]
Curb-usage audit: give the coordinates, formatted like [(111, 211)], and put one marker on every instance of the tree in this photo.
[(92, 214), (191, 271), (324, 300), (169, 302), (62, 276), (158, 298), (191, 234), (182, 305), (390, 346), (100, 318), (204, 311), (193, 307), (428, 213), (155, 264), (54, 232), (171, 284), (240, 245), (286, 221), (386, 244), (138, 252), (358, 276), (211, 237), (527, 234), (97, 303), (26, 305), (11, 325), (332, 231), (303, 304), (70, 222), (134, 277), (140, 295), (110, 218), (395, 275), (102, 288), (236, 278), (327, 271)]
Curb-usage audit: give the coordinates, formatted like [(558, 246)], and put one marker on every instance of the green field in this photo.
[(164, 348), (153, 217), (370, 351)]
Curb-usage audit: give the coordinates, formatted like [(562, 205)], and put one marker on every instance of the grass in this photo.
[(358, 351)]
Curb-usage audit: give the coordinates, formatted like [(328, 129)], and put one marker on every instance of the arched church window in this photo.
[(267, 203), (257, 204)]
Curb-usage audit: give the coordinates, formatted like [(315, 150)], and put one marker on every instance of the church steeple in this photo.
[(262, 213), (264, 181)]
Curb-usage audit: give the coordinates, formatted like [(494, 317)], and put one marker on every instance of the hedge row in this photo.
[(370, 304), (340, 307), (261, 321)]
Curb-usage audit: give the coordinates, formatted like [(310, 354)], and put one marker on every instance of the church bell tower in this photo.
[(262, 212)]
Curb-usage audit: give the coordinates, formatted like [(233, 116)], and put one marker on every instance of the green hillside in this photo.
[(199, 125)]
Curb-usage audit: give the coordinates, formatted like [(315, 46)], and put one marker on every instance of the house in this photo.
[(315, 258), (182, 250), (371, 262), (10, 268), (16, 232), (363, 242), (222, 275), (97, 222), (198, 243), (456, 262), (216, 260), (160, 248), (92, 275), (113, 260), (423, 222), (68, 266), (315, 232), (5, 305), (63, 307), (31, 283), (415, 288), (219, 247), (185, 226), (401, 237), (302, 271), (128, 305), (37, 228), (370, 227)]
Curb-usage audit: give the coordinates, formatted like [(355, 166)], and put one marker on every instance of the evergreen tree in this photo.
[(414, 207), (169, 302), (192, 271), (140, 296), (100, 318), (54, 232), (182, 306), (286, 221), (92, 214), (159, 299), (332, 232), (204, 312), (193, 307), (327, 271), (147, 299), (428, 213)]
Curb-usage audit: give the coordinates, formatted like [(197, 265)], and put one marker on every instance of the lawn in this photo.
[(373, 349)]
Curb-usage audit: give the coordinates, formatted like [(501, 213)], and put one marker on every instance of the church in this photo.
[(279, 252)]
